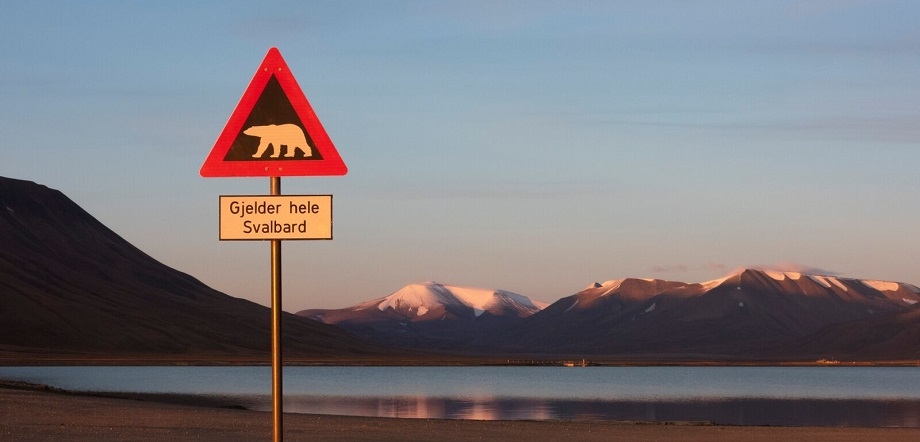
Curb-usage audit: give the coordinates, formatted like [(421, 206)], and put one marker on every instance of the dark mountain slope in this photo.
[(894, 336), (68, 283)]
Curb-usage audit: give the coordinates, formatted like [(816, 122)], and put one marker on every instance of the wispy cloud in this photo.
[(795, 267), (723, 268), (678, 268), (896, 129), (715, 266), (493, 189), (671, 268)]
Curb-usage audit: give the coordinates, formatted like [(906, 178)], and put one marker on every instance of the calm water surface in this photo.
[(824, 396)]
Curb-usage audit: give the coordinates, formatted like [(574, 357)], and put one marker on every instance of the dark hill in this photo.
[(893, 336), (69, 285)]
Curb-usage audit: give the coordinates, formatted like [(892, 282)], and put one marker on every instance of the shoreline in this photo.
[(36, 412), (19, 356), (16, 359)]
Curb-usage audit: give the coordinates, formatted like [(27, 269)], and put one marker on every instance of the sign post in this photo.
[(273, 132), (277, 390)]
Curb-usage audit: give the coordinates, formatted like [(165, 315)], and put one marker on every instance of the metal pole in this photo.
[(277, 407)]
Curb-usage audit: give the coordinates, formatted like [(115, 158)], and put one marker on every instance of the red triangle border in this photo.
[(331, 163)]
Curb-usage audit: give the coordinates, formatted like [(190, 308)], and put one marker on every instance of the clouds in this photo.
[(786, 266), (795, 268), (680, 268)]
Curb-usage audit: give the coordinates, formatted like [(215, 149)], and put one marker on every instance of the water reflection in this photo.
[(794, 396), (815, 412), (420, 407)]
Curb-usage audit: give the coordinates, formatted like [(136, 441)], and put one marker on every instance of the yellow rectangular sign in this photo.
[(268, 217)]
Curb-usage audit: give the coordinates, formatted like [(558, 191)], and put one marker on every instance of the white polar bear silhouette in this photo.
[(278, 135)]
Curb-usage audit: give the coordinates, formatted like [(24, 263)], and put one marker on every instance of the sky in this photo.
[(530, 146)]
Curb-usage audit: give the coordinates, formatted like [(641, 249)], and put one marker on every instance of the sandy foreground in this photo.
[(31, 414)]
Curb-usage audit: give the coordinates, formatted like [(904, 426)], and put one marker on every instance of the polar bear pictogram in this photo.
[(277, 135)]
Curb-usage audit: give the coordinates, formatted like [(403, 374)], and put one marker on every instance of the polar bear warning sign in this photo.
[(273, 131)]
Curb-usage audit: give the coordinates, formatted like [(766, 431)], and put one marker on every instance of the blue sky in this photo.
[(530, 146)]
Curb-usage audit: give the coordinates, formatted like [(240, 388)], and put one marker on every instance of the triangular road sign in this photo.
[(273, 131)]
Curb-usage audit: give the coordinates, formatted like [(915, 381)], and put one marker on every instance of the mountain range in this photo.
[(747, 314), (72, 288)]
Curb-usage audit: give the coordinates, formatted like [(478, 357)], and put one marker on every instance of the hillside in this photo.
[(69, 285)]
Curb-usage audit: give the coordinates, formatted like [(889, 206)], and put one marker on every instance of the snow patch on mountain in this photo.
[(540, 304), (837, 282), (709, 285), (482, 299), (611, 286), (820, 280), (833, 281), (882, 286), (571, 306), (909, 301), (417, 295), (782, 276), (779, 276)]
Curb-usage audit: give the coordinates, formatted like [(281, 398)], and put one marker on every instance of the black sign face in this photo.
[(273, 131)]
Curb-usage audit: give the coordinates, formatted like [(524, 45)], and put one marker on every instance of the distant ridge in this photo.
[(69, 285), (747, 314)]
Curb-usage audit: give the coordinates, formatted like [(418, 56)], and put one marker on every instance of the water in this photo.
[(797, 396)]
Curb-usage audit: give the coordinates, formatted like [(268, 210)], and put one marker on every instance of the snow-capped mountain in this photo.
[(428, 299), (430, 313), (749, 312)]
